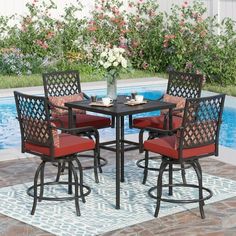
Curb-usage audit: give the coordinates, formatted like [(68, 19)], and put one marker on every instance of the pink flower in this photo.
[(169, 36), (145, 65), (199, 19), (165, 45), (152, 13), (182, 23), (135, 44), (50, 35), (42, 44), (101, 16), (185, 4), (203, 33), (92, 28)]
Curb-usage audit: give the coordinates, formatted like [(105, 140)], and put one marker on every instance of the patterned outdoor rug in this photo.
[(98, 213)]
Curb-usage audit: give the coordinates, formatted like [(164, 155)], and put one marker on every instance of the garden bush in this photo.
[(182, 40)]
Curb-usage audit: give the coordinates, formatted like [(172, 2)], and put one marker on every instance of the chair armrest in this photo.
[(57, 120), (85, 95), (161, 98), (78, 130), (173, 111)]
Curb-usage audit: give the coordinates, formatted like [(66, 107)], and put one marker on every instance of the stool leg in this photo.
[(159, 187), (59, 170), (41, 181), (63, 167), (69, 180), (72, 168), (145, 172), (35, 187), (99, 163), (170, 179), (198, 171), (183, 174), (96, 166), (81, 180), (98, 153)]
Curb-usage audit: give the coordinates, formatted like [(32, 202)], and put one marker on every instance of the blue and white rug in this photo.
[(98, 213)]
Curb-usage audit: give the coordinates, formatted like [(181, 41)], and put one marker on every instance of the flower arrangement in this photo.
[(113, 61)]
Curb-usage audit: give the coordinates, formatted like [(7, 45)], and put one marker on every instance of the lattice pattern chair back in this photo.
[(33, 116), (64, 83), (184, 84), (201, 122)]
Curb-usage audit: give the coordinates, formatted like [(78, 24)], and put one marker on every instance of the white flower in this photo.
[(119, 58), (111, 58), (124, 63), (107, 64), (103, 54), (115, 63), (101, 62)]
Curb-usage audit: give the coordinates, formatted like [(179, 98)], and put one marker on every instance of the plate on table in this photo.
[(100, 104), (132, 102)]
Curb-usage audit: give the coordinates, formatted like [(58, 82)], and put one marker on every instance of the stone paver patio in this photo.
[(220, 216)]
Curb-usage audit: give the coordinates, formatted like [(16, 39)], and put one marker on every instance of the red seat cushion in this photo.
[(156, 122), (166, 146), (83, 120), (69, 144)]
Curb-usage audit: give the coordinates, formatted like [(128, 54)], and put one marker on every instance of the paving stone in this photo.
[(220, 216)]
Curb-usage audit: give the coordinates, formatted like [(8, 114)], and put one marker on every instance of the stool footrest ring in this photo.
[(31, 194), (210, 194), (140, 164)]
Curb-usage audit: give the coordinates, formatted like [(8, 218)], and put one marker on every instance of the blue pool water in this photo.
[(10, 133)]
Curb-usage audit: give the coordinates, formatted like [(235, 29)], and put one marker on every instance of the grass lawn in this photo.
[(229, 90), (36, 80)]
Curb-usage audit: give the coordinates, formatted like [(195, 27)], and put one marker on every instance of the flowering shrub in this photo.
[(144, 33), (37, 30), (183, 40), (187, 37), (220, 58), (12, 61)]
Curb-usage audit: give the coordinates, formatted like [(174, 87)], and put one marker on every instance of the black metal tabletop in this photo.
[(121, 109)]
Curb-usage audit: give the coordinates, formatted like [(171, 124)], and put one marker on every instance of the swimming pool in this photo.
[(10, 133)]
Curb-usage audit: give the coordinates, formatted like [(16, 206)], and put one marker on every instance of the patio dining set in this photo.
[(62, 126)]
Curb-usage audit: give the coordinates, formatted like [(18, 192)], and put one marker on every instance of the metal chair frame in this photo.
[(57, 84), (36, 127), (180, 84), (200, 127)]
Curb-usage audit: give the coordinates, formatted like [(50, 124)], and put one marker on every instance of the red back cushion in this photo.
[(60, 101), (179, 101)]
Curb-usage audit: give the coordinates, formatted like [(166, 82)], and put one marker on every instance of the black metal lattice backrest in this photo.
[(33, 116), (201, 121), (57, 84), (184, 84)]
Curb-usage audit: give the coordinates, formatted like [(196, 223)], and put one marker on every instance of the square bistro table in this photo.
[(119, 110)]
